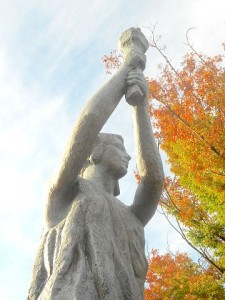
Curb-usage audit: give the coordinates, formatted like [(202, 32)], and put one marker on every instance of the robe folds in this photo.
[(95, 253)]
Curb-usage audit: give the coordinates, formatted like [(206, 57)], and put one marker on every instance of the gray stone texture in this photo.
[(93, 245)]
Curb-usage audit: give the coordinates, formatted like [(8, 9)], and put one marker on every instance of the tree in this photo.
[(190, 124), (178, 277)]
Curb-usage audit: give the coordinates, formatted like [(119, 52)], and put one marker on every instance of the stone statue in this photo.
[(92, 246)]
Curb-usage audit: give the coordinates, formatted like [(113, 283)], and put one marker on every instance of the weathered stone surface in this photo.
[(92, 246)]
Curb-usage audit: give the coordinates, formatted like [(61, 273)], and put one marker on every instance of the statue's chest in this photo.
[(107, 214)]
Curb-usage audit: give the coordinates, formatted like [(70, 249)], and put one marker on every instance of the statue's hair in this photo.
[(98, 150), (107, 138)]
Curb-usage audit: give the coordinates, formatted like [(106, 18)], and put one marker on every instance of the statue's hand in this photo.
[(134, 60), (136, 78)]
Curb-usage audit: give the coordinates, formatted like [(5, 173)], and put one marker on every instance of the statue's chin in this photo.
[(121, 172)]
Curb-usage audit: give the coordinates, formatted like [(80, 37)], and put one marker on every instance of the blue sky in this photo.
[(50, 63)]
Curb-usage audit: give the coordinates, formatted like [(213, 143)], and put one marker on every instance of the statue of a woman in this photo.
[(93, 245)]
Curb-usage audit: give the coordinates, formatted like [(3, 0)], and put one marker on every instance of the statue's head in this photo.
[(110, 153)]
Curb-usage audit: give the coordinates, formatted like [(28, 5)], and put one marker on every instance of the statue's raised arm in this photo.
[(149, 163), (83, 138)]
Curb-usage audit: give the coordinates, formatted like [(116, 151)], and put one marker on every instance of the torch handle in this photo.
[(134, 94)]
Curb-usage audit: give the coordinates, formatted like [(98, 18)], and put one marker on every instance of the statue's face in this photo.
[(115, 158)]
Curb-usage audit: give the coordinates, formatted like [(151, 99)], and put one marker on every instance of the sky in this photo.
[(50, 64)]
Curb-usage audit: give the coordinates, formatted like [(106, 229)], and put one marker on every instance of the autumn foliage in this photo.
[(190, 125), (111, 61), (190, 122), (177, 277)]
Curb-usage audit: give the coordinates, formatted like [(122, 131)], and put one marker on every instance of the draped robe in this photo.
[(95, 253)]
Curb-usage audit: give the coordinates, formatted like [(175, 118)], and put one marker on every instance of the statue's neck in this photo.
[(101, 179)]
